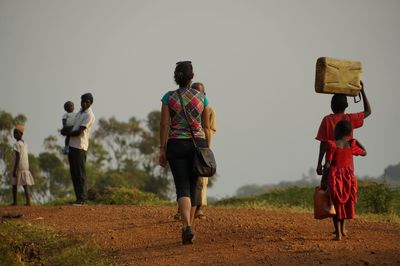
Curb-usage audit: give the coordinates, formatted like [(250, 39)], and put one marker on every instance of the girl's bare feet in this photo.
[(337, 238), (344, 233), (342, 228)]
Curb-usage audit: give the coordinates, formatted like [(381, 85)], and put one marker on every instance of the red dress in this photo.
[(341, 181)]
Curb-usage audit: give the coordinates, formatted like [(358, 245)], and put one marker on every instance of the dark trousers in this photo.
[(77, 162), (180, 153)]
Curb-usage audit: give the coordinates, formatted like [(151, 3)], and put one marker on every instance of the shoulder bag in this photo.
[(204, 163)]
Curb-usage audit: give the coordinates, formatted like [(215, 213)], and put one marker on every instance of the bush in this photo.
[(123, 196), (23, 244), (375, 197), (285, 197), (291, 196)]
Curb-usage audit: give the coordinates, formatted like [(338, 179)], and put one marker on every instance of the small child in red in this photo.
[(341, 182)]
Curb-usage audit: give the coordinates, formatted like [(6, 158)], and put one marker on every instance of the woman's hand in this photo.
[(162, 161), (323, 184), (319, 169)]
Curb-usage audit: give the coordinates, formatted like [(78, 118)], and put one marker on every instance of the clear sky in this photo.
[(256, 59)]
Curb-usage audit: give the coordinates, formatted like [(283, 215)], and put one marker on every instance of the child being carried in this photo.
[(68, 120)]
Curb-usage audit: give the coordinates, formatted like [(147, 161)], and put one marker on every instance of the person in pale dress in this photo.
[(21, 174), (202, 183)]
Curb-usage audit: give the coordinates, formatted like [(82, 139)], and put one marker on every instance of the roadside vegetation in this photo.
[(123, 170), (122, 155), (377, 201), (24, 244), (116, 196)]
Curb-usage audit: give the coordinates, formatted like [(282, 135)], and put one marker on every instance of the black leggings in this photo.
[(180, 154)]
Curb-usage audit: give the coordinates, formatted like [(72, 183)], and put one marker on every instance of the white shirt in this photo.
[(82, 119), (69, 119)]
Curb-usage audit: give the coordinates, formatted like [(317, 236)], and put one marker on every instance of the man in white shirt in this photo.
[(78, 146)]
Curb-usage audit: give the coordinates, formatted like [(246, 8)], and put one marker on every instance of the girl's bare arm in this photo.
[(164, 130)]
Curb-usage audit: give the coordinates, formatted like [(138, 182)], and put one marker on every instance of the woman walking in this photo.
[(176, 144)]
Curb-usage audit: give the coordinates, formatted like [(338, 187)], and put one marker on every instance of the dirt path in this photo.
[(134, 235)]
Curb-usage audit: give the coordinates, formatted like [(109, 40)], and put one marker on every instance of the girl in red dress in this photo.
[(340, 180)]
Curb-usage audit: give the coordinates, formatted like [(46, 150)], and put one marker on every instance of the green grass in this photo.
[(23, 244), (59, 201), (116, 196), (377, 202), (292, 197), (125, 196)]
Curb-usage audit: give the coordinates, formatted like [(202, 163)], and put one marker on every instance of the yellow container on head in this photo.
[(338, 76)]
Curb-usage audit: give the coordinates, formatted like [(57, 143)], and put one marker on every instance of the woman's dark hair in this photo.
[(339, 103), (343, 128), (183, 74)]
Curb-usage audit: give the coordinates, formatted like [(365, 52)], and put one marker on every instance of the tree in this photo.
[(121, 154), (392, 174), (132, 149), (120, 139), (57, 176), (39, 191), (158, 181)]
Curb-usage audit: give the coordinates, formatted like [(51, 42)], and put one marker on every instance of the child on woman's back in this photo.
[(341, 182), (21, 174), (68, 122)]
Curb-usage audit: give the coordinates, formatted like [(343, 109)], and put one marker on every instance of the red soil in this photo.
[(133, 235)]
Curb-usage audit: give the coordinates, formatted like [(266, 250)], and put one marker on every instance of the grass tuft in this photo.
[(23, 244), (117, 196), (124, 196)]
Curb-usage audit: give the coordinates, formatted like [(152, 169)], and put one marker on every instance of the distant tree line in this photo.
[(390, 177), (121, 154)]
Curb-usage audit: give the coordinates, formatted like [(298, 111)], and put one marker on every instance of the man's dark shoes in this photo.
[(78, 203), (187, 235)]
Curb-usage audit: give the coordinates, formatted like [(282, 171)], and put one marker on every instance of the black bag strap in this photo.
[(187, 118)]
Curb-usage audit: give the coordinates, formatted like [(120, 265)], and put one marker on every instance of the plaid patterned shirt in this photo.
[(194, 102)]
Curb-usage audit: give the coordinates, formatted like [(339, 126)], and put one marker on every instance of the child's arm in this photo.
[(361, 147), (17, 158), (322, 151), (75, 133), (64, 122)]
